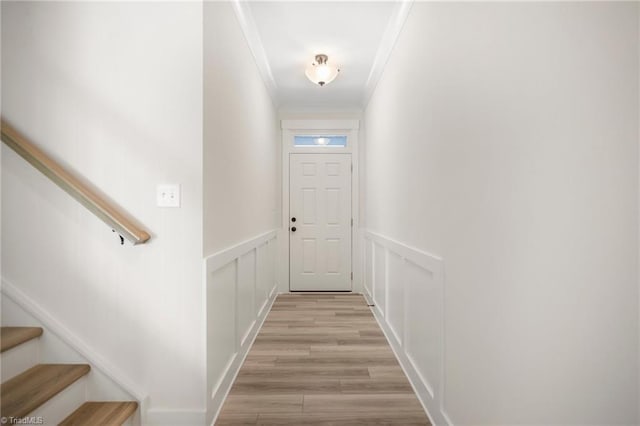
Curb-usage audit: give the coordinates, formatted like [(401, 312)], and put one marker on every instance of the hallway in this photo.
[(466, 174), (321, 359)]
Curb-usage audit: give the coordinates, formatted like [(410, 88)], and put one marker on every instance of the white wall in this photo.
[(114, 91), (503, 139), (241, 151), (241, 199), (638, 403)]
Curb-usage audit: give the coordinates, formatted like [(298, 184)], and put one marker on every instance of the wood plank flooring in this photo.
[(321, 359)]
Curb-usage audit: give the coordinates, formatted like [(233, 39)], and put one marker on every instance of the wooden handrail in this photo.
[(73, 186)]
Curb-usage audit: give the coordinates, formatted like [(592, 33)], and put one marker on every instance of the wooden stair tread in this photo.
[(95, 413), (11, 337), (27, 391)]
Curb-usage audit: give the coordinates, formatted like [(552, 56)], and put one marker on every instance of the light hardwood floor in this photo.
[(321, 359)]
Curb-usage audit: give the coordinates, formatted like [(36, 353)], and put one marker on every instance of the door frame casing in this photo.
[(291, 128)]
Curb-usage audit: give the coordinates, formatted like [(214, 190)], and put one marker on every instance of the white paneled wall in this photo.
[(407, 288), (241, 286)]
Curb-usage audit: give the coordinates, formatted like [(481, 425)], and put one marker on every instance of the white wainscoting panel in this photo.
[(241, 287), (221, 324), (246, 296), (368, 272), (394, 290), (407, 287), (379, 278), (423, 310), (265, 275)]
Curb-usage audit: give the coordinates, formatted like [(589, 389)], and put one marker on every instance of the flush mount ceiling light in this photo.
[(320, 72)]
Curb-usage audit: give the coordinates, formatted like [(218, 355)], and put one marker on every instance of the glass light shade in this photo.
[(321, 73)]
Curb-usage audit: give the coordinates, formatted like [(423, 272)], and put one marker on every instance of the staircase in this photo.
[(49, 393)]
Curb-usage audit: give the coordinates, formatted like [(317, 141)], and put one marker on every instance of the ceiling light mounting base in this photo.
[(321, 59)]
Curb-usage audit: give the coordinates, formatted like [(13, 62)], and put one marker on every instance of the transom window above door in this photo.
[(328, 141)]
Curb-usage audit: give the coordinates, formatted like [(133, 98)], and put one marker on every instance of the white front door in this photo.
[(320, 222)]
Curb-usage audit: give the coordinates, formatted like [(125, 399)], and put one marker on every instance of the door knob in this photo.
[(293, 229), (293, 219)]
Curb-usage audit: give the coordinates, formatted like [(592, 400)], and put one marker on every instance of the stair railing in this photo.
[(96, 204)]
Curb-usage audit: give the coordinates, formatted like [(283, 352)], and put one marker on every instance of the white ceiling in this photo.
[(285, 36)]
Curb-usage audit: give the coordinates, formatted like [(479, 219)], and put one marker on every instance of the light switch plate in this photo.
[(168, 195)]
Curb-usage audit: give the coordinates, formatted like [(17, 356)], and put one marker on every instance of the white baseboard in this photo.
[(53, 326), (367, 296), (175, 417)]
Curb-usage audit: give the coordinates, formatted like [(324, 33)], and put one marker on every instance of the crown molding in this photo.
[(389, 38), (248, 25)]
